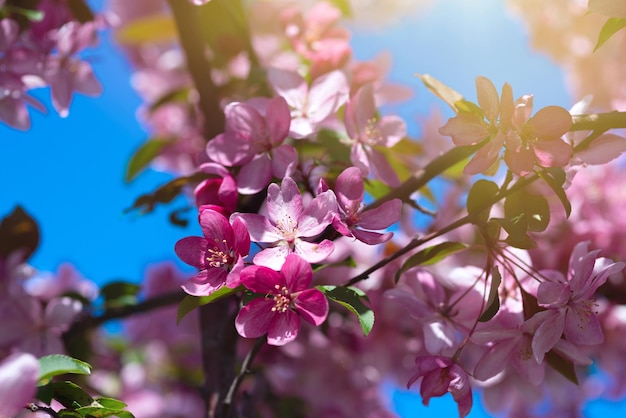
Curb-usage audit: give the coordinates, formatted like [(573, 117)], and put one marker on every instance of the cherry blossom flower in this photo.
[(368, 132), (18, 383), (569, 302), (469, 128), (537, 139), (310, 106), (217, 191), (67, 74), (440, 375), (352, 221), (287, 298), (254, 136), (219, 254), (288, 223)]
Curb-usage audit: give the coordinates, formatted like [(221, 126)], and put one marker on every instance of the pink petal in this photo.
[(392, 129), (297, 273), (273, 257), (278, 119), (284, 161), (359, 159), (327, 93), (582, 325), (205, 282), (555, 153), (284, 203), (496, 359), (369, 237), (215, 226), (553, 295), (488, 98), (521, 161), (254, 319), (228, 149), (551, 122), (192, 250), (349, 187), (548, 333), (382, 216), (364, 107), (283, 328), (290, 85), (241, 238), (261, 279), (312, 252), (255, 175), (259, 227), (465, 129), (382, 168), (18, 382), (603, 149), (317, 215), (312, 305)]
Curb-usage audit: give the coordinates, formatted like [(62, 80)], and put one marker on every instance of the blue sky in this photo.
[(68, 173)]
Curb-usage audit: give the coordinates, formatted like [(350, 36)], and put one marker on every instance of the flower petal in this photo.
[(192, 250), (283, 328), (254, 319), (312, 305), (297, 273)]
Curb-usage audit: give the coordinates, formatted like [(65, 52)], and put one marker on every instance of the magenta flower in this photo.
[(288, 223), (369, 132), (219, 254), (18, 383), (352, 221), (441, 375), (253, 139), (287, 298), (569, 302)]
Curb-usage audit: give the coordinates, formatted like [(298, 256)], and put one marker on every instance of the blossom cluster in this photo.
[(43, 52)]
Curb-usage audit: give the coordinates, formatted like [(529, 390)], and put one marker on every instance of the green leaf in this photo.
[(30, 14), (120, 293), (144, 156), (189, 303), (166, 193), (70, 395), (375, 188), (57, 364), (562, 365), (534, 207), (493, 301), (430, 255), (18, 231), (111, 403), (480, 193), (45, 393), (442, 91), (69, 413), (555, 179), (177, 95), (343, 6), (155, 28), (352, 298), (100, 412), (610, 28)]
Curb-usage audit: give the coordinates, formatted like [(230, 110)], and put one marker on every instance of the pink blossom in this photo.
[(569, 302), (441, 375), (254, 136), (66, 74), (316, 38), (18, 383), (217, 191), (537, 139), (287, 298), (370, 132), (352, 221), (310, 106), (219, 254), (289, 223), (469, 128)]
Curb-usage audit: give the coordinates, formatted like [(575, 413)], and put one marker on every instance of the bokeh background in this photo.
[(68, 173)]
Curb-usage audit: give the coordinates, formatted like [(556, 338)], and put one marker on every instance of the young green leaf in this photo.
[(481, 192), (352, 298), (493, 301), (144, 156), (430, 255), (445, 93), (535, 208), (57, 364), (555, 178), (189, 303), (119, 293), (610, 28), (70, 395)]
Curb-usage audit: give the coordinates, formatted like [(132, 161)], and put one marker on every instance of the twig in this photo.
[(245, 370)]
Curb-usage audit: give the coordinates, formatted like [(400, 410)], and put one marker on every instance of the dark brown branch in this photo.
[(192, 41), (229, 400), (599, 121)]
